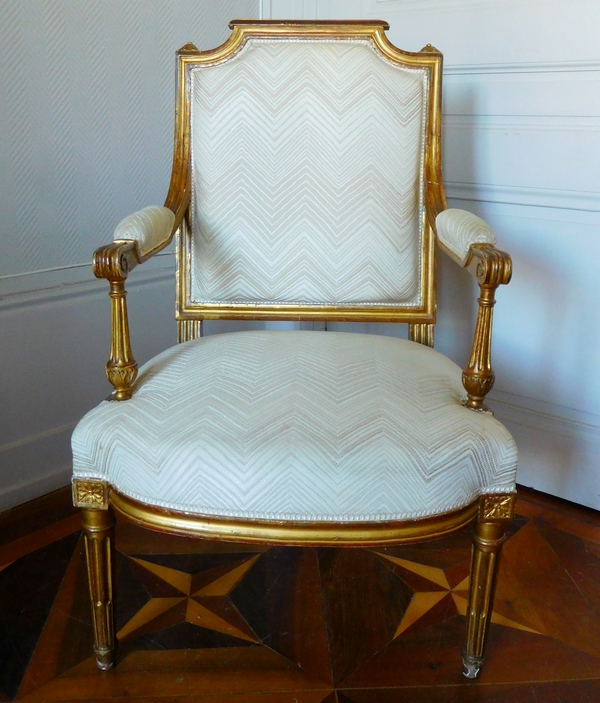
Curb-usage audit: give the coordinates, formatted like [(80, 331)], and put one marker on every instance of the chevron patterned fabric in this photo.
[(300, 426), (458, 229), (308, 170), (149, 228)]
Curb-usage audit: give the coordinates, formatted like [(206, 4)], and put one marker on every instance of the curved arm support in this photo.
[(492, 268), (113, 262)]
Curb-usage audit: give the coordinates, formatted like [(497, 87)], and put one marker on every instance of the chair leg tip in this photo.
[(105, 659), (471, 665)]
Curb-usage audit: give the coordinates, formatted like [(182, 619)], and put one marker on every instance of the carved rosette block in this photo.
[(90, 493), (492, 268), (497, 507)]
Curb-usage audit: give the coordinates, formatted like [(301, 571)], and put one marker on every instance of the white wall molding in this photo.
[(520, 123), (430, 4), (522, 67), (55, 342), (41, 287), (524, 195), (540, 160), (40, 436)]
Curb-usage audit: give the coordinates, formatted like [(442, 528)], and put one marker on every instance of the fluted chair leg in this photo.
[(98, 527), (494, 515)]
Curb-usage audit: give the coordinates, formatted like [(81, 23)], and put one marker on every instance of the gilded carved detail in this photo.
[(492, 268), (421, 333), (189, 48), (90, 493), (430, 49), (497, 507), (122, 378), (487, 544), (290, 532), (98, 530), (188, 330), (113, 262)]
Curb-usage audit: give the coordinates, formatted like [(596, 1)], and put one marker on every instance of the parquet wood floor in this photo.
[(212, 622)]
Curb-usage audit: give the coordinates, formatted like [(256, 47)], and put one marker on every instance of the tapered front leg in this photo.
[(98, 527), (495, 513)]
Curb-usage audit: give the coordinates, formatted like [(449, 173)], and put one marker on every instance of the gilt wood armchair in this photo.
[(306, 185)]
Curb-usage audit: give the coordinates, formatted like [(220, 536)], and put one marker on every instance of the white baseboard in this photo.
[(35, 488), (559, 448), (34, 466), (547, 417)]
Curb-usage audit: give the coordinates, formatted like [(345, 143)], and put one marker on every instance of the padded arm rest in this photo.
[(457, 230), (149, 228)]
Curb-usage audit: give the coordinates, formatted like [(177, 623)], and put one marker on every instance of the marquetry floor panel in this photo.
[(211, 622)]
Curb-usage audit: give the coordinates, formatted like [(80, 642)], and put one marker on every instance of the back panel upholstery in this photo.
[(307, 168)]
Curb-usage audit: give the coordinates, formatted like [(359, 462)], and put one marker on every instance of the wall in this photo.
[(521, 148), (86, 120)]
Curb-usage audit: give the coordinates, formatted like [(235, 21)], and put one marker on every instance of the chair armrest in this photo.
[(457, 230), (470, 242), (151, 229), (137, 238)]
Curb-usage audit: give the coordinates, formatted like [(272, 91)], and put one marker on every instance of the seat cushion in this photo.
[(298, 426)]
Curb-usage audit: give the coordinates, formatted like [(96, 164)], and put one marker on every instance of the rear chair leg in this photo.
[(495, 512)]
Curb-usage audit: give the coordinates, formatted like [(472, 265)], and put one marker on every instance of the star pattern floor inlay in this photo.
[(437, 590), (200, 599), (204, 621)]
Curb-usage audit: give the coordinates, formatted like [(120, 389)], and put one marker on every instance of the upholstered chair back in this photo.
[(308, 168)]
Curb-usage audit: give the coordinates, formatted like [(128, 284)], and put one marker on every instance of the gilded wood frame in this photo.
[(290, 532), (243, 30)]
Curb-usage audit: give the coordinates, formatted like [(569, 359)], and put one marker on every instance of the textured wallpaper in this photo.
[(86, 117)]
